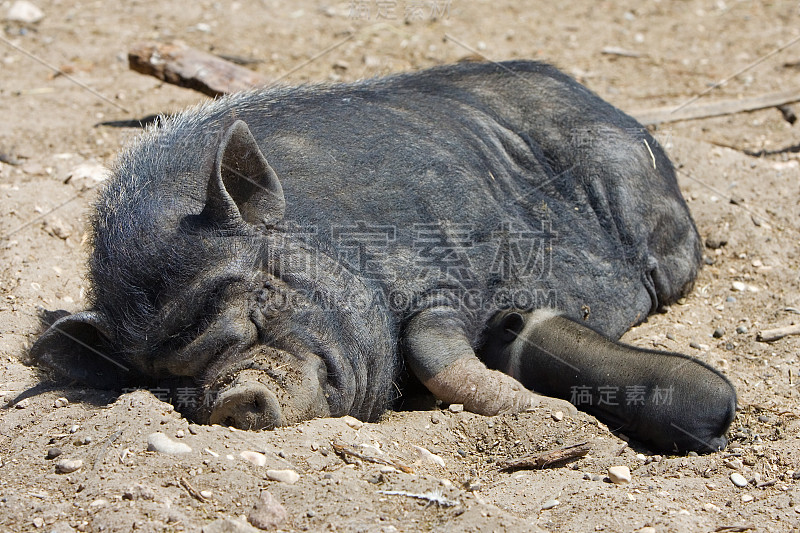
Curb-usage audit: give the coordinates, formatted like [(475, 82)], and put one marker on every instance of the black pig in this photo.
[(292, 251)]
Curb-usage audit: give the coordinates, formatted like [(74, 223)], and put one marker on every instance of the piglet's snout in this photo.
[(248, 405)]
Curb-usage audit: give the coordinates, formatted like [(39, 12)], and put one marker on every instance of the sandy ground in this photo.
[(50, 132)]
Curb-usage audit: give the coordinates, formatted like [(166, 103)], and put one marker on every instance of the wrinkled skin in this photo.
[(300, 252)]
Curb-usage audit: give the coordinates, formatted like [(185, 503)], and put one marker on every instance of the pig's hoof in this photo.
[(246, 406), (488, 392)]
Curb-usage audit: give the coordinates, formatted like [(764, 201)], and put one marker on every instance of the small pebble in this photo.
[(74, 428), (426, 455), (549, 504), (26, 12), (741, 329), (747, 498), (206, 494), (284, 476), (22, 404), (139, 492), (738, 479), (158, 442), (763, 419), (735, 464), (716, 240), (100, 502), (456, 407), (256, 458), (60, 402), (739, 286), (646, 529), (352, 422), (52, 453), (619, 474), (558, 416), (719, 333), (267, 513), (180, 434), (38, 522), (67, 466), (228, 525)]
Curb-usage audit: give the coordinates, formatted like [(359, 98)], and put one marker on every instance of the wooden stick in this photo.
[(550, 458), (193, 492), (345, 451), (770, 335), (188, 67), (714, 109)]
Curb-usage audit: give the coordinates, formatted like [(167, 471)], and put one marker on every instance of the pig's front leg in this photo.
[(439, 354)]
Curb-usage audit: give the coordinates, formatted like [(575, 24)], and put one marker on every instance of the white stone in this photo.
[(747, 498), (456, 407), (284, 476), (619, 475), (229, 525), (549, 504), (426, 455), (354, 423), (88, 174), (22, 11), (67, 466), (258, 459), (558, 416), (739, 286), (60, 402), (158, 442), (738, 479)]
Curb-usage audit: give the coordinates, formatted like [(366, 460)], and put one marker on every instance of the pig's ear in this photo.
[(76, 347), (242, 185)]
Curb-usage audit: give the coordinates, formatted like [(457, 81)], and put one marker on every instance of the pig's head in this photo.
[(192, 281)]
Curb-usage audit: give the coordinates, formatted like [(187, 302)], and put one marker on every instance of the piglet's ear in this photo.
[(242, 185), (77, 347)]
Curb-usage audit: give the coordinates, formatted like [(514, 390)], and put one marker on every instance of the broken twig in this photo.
[(547, 459), (188, 67), (193, 492), (714, 109), (771, 335), (346, 451), (433, 496)]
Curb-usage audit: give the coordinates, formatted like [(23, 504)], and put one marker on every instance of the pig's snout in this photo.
[(248, 405)]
